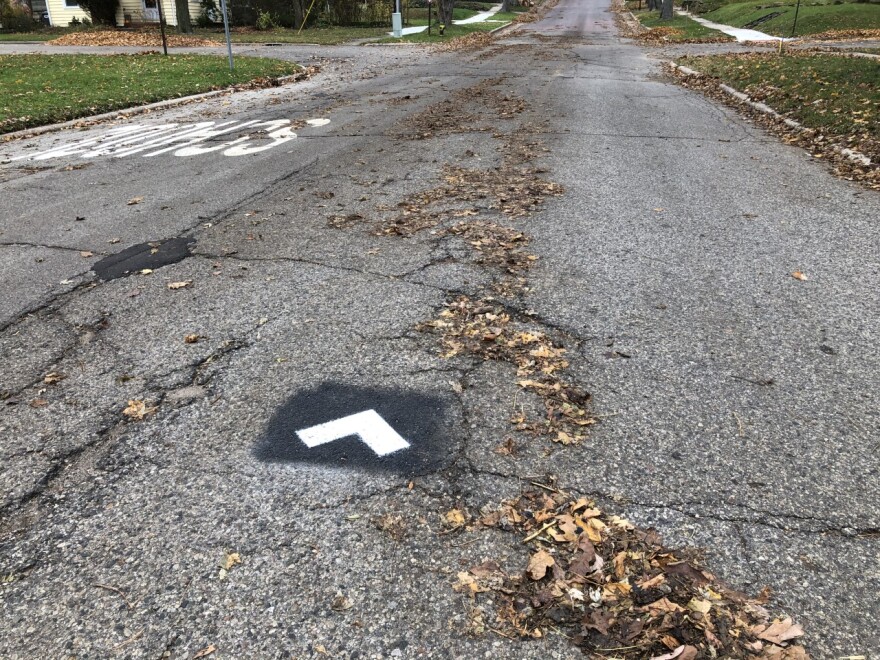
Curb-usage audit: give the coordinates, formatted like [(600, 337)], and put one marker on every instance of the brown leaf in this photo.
[(137, 409), (179, 285), (780, 631), (53, 377), (798, 275), (135, 200), (662, 606), (539, 563), (208, 650), (191, 339), (38, 403), (341, 603), (85, 254)]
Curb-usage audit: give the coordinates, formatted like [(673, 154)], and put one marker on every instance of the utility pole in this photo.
[(797, 8), (162, 27), (226, 29)]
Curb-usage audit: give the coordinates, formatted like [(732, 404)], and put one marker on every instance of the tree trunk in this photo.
[(299, 13), (666, 11), (184, 24), (444, 9), (505, 5)]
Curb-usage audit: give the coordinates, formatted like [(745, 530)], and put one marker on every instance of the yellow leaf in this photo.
[(454, 517), (135, 200), (798, 275), (232, 558), (179, 285)]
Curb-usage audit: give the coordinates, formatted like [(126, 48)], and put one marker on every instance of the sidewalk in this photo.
[(478, 18), (740, 34)]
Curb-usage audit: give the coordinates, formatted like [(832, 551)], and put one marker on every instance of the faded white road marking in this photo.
[(183, 140)]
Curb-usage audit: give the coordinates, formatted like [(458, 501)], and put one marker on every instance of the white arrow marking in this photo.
[(368, 425)]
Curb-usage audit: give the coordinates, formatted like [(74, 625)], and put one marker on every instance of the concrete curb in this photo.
[(508, 26), (852, 155), (89, 120)]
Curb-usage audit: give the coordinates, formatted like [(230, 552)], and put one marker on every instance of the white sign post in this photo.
[(397, 20)]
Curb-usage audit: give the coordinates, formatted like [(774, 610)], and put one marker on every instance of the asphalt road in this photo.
[(738, 405)]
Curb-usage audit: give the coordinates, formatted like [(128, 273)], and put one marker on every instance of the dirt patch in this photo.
[(127, 38)]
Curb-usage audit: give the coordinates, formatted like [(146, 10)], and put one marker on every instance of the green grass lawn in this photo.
[(42, 89), (839, 95), (813, 17), (686, 29), (324, 36), (28, 36)]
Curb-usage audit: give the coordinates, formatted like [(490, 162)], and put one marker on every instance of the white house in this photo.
[(61, 12)]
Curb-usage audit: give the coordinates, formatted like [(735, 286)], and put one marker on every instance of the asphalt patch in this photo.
[(418, 418), (151, 255)]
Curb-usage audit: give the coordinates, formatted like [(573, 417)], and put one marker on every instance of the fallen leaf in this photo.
[(231, 559), (38, 403), (135, 200), (341, 603), (780, 631), (85, 254), (137, 409), (798, 275), (454, 518), (208, 650), (539, 563), (179, 285), (53, 377), (146, 271), (699, 605), (191, 339)]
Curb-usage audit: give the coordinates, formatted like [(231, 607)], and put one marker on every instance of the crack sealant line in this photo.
[(319, 264), (48, 247)]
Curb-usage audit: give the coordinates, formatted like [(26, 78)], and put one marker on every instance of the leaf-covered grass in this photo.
[(838, 95), (451, 32), (813, 17), (685, 29), (323, 36), (41, 89)]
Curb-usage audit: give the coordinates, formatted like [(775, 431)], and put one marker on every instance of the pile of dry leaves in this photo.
[(484, 329), (127, 38), (615, 590), (843, 35)]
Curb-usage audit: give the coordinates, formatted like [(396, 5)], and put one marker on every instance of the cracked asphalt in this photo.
[(737, 405)]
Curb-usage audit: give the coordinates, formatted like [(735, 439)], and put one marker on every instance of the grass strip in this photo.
[(812, 18), (43, 89)]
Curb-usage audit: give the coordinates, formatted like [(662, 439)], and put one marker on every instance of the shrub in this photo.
[(265, 21), (210, 14), (101, 12), (14, 17)]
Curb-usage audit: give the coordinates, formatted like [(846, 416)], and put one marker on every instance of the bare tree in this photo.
[(444, 11), (666, 10), (184, 24)]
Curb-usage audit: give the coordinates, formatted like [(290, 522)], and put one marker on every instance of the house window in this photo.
[(71, 3)]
